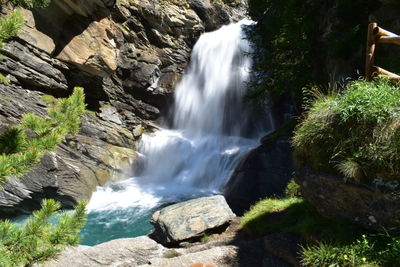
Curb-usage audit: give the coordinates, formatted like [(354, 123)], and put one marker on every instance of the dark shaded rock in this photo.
[(265, 172), (190, 219), (361, 204), (32, 70), (285, 246)]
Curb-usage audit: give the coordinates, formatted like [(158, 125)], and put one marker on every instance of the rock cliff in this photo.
[(128, 56)]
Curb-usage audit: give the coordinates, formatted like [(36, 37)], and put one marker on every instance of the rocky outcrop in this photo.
[(190, 219), (100, 152), (143, 251), (264, 173), (372, 207), (128, 57)]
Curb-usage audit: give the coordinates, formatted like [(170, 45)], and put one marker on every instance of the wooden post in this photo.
[(370, 50), (378, 31), (388, 40), (379, 71)]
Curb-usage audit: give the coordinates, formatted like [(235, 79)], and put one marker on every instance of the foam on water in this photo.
[(212, 131)]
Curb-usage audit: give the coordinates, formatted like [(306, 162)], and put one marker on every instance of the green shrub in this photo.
[(18, 152), (39, 240), (292, 189), (11, 24), (355, 133), (368, 250)]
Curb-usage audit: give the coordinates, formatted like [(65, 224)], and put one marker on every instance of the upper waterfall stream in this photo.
[(212, 130)]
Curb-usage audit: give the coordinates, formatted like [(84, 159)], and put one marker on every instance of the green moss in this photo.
[(18, 152), (4, 80)]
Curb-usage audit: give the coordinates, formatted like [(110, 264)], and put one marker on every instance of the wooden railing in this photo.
[(377, 35)]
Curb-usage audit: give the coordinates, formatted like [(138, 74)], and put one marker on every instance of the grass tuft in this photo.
[(355, 133)]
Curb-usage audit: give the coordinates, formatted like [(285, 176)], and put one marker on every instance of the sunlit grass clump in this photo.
[(355, 132), (22, 146)]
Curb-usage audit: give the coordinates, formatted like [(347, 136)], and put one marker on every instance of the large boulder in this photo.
[(370, 206), (190, 219)]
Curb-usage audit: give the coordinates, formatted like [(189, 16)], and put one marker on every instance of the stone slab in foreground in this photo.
[(190, 219)]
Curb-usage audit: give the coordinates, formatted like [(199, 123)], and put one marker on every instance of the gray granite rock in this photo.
[(190, 219)]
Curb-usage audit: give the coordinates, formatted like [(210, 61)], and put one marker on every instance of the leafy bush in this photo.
[(39, 240), (22, 146), (356, 132), (292, 189)]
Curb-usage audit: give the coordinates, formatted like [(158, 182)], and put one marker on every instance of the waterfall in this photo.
[(210, 135)]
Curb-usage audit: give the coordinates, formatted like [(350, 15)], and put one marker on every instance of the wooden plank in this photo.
[(388, 40), (379, 71), (382, 32), (370, 50)]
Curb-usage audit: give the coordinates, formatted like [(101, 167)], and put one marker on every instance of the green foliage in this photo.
[(3, 79), (39, 240), (335, 243), (368, 250), (368, 148), (295, 215), (11, 24), (18, 152), (292, 189), (30, 4), (290, 48)]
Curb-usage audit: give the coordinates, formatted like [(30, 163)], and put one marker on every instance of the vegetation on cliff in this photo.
[(326, 242), (22, 146), (38, 239), (355, 132)]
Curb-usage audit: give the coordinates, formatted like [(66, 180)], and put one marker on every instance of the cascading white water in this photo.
[(207, 141)]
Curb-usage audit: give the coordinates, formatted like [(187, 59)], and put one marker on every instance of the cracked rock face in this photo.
[(372, 207), (127, 56)]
